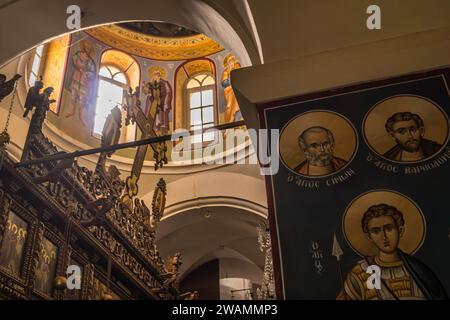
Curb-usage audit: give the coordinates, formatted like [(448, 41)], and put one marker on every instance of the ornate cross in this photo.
[(145, 124)]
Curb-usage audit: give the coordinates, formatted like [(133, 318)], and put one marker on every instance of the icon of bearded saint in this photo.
[(317, 144), (408, 130), (159, 101)]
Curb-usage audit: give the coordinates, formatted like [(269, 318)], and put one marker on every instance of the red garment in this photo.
[(336, 164)]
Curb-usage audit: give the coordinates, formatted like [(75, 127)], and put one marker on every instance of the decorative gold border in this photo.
[(435, 104), (351, 125), (152, 47)]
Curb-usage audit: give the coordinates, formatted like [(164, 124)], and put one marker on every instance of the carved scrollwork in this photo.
[(158, 202), (61, 193), (92, 199), (5, 204), (87, 284), (37, 170), (125, 258), (81, 214), (12, 290), (35, 254)]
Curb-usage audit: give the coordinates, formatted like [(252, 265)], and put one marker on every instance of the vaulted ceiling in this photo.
[(305, 46)]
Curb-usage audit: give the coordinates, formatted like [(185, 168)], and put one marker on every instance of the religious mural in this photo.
[(13, 244), (158, 105), (387, 228), (155, 76), (80, 81), (361, 185), (45, 271), (406, 129), (232, 112), (318, 143)]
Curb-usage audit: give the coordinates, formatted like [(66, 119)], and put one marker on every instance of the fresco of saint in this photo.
[(232, 107), (159, 101), (82, 82), (403, 276), (317, 143)]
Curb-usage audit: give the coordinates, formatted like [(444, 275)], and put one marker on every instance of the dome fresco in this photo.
[(159, 29), (95, 69)]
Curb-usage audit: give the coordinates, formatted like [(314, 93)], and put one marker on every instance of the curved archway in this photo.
[(183, 73), (221, 232), (194, 14)]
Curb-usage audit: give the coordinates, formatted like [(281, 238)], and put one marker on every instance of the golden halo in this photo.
[(227, 58), (346, 139), (87, 47), (414, 228), (434, 118), (162, 70)]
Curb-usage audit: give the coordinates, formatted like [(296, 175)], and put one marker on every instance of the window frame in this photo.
[(40, 66), (201, 88), (111, 80)]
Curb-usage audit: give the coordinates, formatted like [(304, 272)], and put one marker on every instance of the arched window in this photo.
[(112, 82), (118, 72), (36, 65), (200, 98)]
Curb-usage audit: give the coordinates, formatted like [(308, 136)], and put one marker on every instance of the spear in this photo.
[(337, 253)]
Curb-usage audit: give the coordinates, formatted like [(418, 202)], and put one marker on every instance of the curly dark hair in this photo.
[(379, 210), (403, 116)]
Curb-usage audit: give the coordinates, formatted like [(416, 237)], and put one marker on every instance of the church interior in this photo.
[(132, 162)]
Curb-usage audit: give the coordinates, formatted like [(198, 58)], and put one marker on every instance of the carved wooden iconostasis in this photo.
[(362, 181), (54, 214)]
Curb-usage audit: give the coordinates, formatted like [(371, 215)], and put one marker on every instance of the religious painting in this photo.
[(386, 228), (381, 201), (318, 143), (46, 268), (406, 128), (81, 79), (232, 112), (158, 104), (13, 244), (55, 61)]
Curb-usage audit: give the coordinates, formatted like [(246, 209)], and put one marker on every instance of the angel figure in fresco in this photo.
[(82, 82), (403, 276), (159, 101), (232, 112)]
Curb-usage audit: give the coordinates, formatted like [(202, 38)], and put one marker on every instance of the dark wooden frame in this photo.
[(23, 280), (261, 108), (48, 218)]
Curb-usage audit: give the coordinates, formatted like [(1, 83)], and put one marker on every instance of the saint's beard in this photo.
[(411, 145), (321, 159)]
